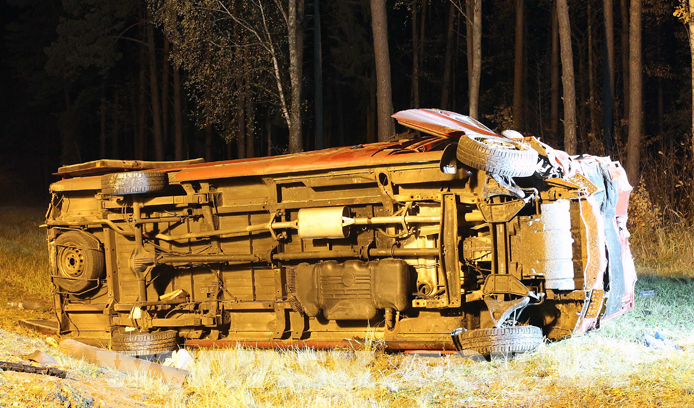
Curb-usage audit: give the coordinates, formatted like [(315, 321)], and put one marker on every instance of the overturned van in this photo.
[(497, 240)]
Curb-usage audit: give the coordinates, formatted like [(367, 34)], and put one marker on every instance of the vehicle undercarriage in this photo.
[(402, 242)]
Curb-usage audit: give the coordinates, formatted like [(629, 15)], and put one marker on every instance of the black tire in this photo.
[(504, 340), (499, 155), (144, 344), (134, 182), (79, 261)]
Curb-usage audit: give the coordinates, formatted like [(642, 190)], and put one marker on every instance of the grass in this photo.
[(662, 240), (23, 254), (608, 367), (23, 262)]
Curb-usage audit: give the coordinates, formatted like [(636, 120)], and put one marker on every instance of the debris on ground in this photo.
[(647, 293), (659, 341), (40, 357), (43, 326), (29, 305), (121, 362), (52, 342), (179, 359), (28, 368)]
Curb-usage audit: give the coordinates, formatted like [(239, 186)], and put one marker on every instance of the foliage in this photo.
[(87, 35), (661, 237), (502, 117), (352, 47), (228, 48), (682, 12)]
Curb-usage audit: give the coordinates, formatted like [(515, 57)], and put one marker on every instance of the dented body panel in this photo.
[(397, 241)]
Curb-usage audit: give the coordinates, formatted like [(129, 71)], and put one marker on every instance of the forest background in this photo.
[(224, 79)]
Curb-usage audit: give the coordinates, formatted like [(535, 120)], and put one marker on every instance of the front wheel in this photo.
[(502, 340)]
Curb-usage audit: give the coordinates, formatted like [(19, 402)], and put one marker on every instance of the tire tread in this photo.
[(142, 344), (134, 182), (512, 163), (505, 340)]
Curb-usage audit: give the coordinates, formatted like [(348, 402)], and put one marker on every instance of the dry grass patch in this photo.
[(23, 255)]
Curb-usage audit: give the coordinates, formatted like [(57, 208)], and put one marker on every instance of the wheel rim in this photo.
[(71, 262)]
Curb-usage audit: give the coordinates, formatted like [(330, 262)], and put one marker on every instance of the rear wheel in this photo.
[(144, 344), (503, 340), (495, 154)]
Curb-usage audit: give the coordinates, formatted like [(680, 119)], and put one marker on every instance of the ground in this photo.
[(608, 367)]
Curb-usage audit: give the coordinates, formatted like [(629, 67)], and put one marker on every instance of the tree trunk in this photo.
[(456, 65), (178, 115), (240, 114), (415, 58), (208, 143), (476, 74), (154, 93), (295, 62), (371, 118), (659, 78), (591, 80), (268, 133), (624, 6), (635, 91), (340, 117), (301, 29), (134, 118), (518, 69), (567, 77), (249, 106), (318, 78), (691, 50), (582, 121), (140, 141), (69, 146), (241, 122), (554, 77), (165, 93), (448, 59), (422, 36), (469, 23), (540, 125), (115, 125), (661, 106), (250, 119), (608, 76), (102, 125), (379, 26)]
